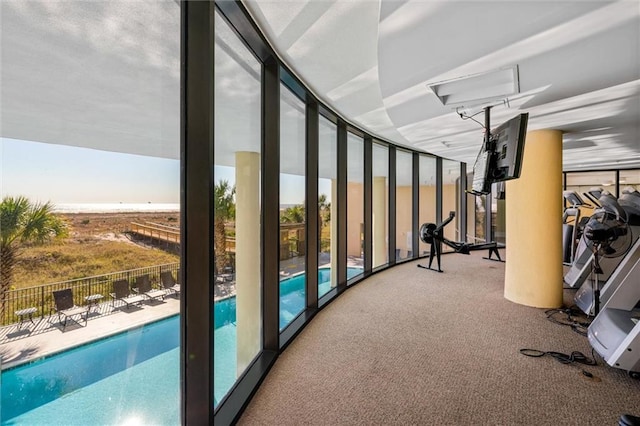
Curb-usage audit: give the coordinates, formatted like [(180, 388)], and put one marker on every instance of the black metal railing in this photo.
[(41, 297)]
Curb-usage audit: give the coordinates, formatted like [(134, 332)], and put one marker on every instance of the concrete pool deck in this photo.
[(19, 345)]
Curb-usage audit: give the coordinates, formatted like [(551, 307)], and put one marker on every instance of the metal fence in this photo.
[(41, 297)]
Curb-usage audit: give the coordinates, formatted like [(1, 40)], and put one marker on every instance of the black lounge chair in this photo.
[(66, 309), (143, 287), (122, 292), (169, 283)]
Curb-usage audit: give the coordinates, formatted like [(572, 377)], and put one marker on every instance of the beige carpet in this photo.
[(414, 347)]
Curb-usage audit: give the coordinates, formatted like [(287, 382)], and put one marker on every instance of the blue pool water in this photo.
[(106, 382), (133, 377)]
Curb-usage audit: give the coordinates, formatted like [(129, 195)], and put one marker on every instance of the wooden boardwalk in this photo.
[(156, 231), (167, 234)]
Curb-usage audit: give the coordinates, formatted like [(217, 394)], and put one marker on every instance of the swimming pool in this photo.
[(132, 377), (111, 381)]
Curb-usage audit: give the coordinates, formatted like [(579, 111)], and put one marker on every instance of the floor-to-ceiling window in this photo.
[(450, 199), (355, 203), (327, 205), (380, 202), (427, 195), (404, 205), (90, 186), (237, 209), (293, 228)]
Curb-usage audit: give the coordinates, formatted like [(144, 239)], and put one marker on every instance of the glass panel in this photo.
[(90, 145), (629, 178), (293, 229), (498, 213), (404, 205), (427, 208), (380, 205), (582, 182), (355, 205), (237, 201), (480, 218), (450, 197), (327, 207)]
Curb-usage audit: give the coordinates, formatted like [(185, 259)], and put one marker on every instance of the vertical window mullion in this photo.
[(312, 239), (342, 204), (197, 212), (368, 203), (271, 207), (392, 205), (415, 217)]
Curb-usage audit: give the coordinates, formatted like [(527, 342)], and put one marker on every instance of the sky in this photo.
[(67, 174), (64, 174)]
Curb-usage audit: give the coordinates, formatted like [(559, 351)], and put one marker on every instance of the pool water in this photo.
[(133, 377), (106, 382)]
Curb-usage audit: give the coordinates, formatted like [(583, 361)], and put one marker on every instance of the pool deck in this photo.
[(19, 345)]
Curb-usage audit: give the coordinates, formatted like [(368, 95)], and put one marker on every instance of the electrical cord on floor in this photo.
[(579, 327), (574, 357)]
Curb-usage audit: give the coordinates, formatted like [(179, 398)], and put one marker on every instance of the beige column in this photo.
[(248, 306), (334, 232), (379, 221), (533, 274)]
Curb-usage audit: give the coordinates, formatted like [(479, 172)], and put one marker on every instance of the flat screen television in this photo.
[(501, 158)]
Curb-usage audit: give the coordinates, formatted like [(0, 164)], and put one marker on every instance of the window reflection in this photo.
[(404, 205), (293, 229), (427, 195), (355, 205), (237, 205), (450, 199), (327, 206), (380, 200)]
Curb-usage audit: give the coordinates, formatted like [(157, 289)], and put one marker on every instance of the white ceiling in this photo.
[(106, 74), (372, 61), (95, 74)]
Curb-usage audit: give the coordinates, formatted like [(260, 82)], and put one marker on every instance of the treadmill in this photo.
[(615, 331), (629, 203)]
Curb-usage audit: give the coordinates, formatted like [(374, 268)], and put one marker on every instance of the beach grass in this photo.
[(96, 245)]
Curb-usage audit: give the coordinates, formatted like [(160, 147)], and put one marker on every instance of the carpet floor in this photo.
[(409, 346)]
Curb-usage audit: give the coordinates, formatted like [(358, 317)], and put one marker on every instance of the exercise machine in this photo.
[(433, 234), (572, 224), (598, 280), (615, 331)]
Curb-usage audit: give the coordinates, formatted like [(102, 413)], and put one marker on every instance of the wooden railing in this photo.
[(156, 231), (41, 297)]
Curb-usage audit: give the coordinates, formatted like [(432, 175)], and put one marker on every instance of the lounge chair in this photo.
[(143, 287), (122, 292), (66, 309), (169, 283)]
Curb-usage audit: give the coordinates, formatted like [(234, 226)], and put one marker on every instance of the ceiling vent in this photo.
[(478, 89)]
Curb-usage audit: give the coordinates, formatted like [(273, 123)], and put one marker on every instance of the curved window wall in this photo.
[(237, 207), (250, 96), (380, 208)]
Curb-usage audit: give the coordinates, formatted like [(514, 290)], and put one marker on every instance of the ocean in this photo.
[(115, 207)]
